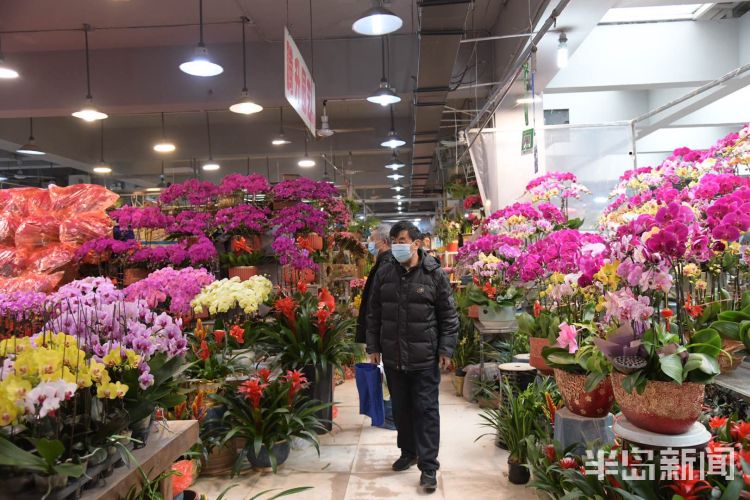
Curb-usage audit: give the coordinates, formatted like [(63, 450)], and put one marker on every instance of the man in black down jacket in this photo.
[(412, 322), (378, 244)]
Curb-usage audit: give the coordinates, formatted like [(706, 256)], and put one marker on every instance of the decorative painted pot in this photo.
[(664, 407), (133, 274), (473, 312), (596, 403), (292, 276), (452, 246), (316, 241), (506, 314), (244, 273), (458, 384), (262, 461), (535, 359)]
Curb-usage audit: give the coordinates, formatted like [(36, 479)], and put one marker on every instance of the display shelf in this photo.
[(737, 380)]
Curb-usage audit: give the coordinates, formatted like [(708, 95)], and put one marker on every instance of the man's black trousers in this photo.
[(416, 412)]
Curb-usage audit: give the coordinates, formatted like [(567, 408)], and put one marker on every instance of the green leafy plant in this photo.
[(234, 259), (467, 347), (586, 360), (546, 325), (164, 392)]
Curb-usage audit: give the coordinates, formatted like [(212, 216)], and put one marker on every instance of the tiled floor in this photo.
[(355, 461)]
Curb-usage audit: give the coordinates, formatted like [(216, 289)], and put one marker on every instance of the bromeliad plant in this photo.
[(309, 330), (265, 411)]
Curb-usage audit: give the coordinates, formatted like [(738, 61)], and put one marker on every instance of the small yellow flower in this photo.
[(16, 388), (8, 411), (113, 358)]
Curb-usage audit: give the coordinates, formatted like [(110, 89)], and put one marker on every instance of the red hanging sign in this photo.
[(299, 87)]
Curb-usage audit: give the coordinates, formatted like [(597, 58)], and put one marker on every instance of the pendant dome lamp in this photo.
[(30, 148), (200, 64), (385, 95), (395, 163), (280, 139), (393, 141), (377, 21), (306, 161), (88, 113), (6, 72), (102, 167), (161, 185), (210, 165), (246, 106), (164, 145)]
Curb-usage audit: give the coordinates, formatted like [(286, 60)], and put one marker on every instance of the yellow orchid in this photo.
[(15, 387), (8, 411), (113, 358)]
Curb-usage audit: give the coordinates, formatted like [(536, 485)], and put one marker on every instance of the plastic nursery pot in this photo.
[(664, 407), (518, 473), (535, 359), (244, 273), (262, 461), (596, 403), (141, 431)]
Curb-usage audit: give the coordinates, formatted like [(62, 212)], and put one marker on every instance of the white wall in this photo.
[(599, 107)]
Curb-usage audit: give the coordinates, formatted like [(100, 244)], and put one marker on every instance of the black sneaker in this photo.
[(428, 480), (403, 463)]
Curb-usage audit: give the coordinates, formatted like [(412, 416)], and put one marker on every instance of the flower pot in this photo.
[(518, 473), (535, 359), (505, 315), (262, 461), (596, 403), (220, 460), (452, 246), (292, 276), (244, 273), (473, 312), (133, 274), (44, 483), (320, 387), (141, 430), (316, 241), (730, 362), (458, 384), (664, 407)]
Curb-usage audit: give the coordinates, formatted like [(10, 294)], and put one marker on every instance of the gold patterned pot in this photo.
[(535, 355), (243, 272), (664, 407), (596, 403)]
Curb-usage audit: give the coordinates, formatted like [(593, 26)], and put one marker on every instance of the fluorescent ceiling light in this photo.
[(528, 100), (306, 162), (377, 21), (164, 147), (399, 196), (154, 189), (395, 177), (280, 140), (200, 65), (385, 95), (395, 163), (90, 114), (393, 141), (102, 169), (658, 13), (211, 166), (246, 107)]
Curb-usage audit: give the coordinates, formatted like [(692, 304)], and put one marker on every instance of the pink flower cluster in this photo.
[(105, 247), (299, 218), (243, 219), (303, 188), (141, 217), (194, 253), (289, 253), (489, 244), (169, 288), (562, 185), (193, 191), (522, 220), (249, 184)]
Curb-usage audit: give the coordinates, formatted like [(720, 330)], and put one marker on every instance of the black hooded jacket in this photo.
[(411, 315)]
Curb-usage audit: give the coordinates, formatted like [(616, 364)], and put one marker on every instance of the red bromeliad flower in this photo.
[(537, 308), (203, 352), (717, 422), (743, 453), (264, 374), (287, 307), (326, 299), (691, 487), (298, 381), (252, 390), (198, 408), (219, 335), (550, 452), (740, 430), (693, 310), (199, 332), (322, 319), (568, 463), (238, 333), (302, 286), (490, 291), (240, 245)]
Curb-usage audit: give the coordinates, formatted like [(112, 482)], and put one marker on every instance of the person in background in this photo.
[(412, 325), (379, 245)]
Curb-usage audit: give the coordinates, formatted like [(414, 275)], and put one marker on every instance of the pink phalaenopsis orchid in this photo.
[(568, 337)]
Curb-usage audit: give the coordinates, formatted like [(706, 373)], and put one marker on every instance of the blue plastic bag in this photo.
[(370, 388)]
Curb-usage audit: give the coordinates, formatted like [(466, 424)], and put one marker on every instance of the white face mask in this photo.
[(402, 252)]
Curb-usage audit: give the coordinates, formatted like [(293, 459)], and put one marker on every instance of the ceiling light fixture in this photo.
[(306, 161), (399, 196), (392, 141), (395, 163), (164, 146), (377, 21), (562, 51), (102, 167), (395, 177), (528, 100), (200, 64), (280, 139), (30, 148), (325, 128), (6, 72), (88, 113), (398, 187), (210, 165), (385, 95), (246, 106)]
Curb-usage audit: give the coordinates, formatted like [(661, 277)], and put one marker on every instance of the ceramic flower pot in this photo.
[(535, 359), (220, 460), (518, 473), (292, 276), (664, 407), (133, 274), (262, 461), (731, 360), (452, 246), (316, 241), (596, 403), (505, 314), (244, 273), (458, 384)]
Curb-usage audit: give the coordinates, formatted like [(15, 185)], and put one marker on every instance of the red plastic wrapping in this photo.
[(84, 227), (37, 231), (81, 198), (7, 261), (29, 201), (9, 222), (184, 477), (49, 258), (31, 282)]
